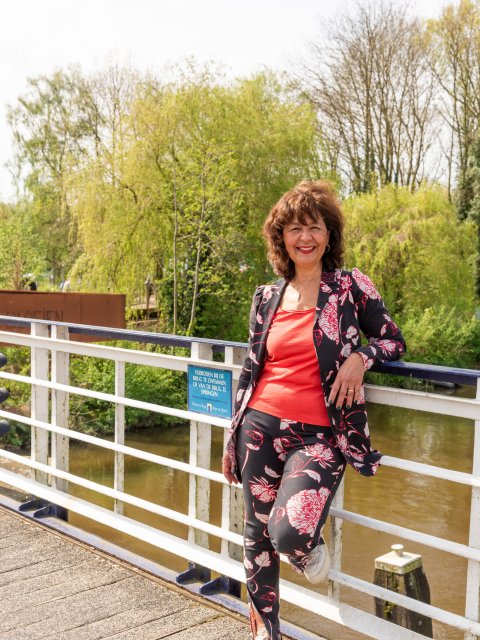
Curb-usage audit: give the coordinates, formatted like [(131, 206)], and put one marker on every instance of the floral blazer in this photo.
[(347, 303)]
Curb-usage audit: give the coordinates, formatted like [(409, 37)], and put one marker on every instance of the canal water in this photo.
[(429, 505)]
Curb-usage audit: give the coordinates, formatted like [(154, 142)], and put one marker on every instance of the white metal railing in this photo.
[(50, 390)]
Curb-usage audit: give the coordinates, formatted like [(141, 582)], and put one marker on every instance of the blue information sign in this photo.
[(210, 391)]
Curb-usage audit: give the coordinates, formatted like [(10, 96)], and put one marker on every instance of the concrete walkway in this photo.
[(53, 587)]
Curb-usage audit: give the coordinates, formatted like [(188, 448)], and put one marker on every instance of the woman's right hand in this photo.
[(227, 469)]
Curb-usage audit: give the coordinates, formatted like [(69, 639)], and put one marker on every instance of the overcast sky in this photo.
[(38, 36)]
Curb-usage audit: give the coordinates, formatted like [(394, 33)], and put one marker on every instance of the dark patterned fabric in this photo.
[(347, 304), (291, 471)]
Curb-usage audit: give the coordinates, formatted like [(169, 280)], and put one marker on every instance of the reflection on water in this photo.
[(432, 506)]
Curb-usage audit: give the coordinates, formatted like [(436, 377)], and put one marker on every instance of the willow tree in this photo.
[(422, 258), (200, 166), (414, 247), (62, 123)]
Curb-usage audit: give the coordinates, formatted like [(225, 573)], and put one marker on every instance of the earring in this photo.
[(327, 248)]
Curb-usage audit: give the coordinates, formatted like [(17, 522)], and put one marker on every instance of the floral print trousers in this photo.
[(290, 472)]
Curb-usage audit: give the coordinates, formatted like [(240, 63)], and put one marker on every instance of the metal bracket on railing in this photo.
[(44, 509), (194, 572), (223, 584)]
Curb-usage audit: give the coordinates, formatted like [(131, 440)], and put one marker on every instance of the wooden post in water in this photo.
[(403, 573)]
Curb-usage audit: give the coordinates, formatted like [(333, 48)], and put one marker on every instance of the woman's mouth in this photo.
[(306, 250)]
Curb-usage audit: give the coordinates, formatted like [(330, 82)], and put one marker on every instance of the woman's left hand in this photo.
[(227, 469), (348, 383)]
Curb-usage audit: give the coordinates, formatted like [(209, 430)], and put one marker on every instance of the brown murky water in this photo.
[(429, 505)]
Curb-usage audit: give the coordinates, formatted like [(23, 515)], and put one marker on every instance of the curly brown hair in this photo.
[(309, 200)]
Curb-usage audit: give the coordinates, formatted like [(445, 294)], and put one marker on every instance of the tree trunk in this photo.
[(197, 261), (175, 237)]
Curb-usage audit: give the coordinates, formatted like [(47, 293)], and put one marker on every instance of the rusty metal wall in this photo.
[(98, 309)]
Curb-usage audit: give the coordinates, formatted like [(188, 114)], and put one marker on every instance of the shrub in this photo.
[(148, 384)]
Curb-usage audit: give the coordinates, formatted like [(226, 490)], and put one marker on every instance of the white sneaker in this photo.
[(317, 565), (262, 634)]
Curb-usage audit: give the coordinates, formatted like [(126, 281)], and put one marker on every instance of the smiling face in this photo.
[(306, 243)]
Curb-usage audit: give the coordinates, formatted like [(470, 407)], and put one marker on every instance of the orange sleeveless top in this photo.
[(290, 386)]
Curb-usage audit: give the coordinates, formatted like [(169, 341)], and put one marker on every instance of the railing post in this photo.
[(119, 469), (232, 501), (336, 533), (60, 408), (39, 401), (472, 605), (200, 453)]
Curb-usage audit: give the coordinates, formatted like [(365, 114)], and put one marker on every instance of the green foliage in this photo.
[(19, 399), (192, 185), (422, 259), (414, 248), (148, 384), (472, 199), (21, 249), (48, 128), (443, 336)]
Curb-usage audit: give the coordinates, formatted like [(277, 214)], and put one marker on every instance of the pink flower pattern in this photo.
[(264, 491), (304, 509), (329, 321), (365, 284), (322, 454), (279, 446)]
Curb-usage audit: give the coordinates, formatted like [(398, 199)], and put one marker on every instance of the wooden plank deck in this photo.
[(53, 587)]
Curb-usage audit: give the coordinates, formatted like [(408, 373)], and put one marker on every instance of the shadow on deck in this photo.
[(54, 587)]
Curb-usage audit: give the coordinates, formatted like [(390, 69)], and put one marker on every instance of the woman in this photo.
[(300, 414)]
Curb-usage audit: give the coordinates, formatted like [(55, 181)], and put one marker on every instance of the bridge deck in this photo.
[(53, 587)]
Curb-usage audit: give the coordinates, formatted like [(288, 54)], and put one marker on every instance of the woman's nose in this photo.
[(306, 234)]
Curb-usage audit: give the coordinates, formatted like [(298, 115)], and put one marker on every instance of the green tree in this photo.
[(369, 80), (21, 249), (454, 53), (200, 165), (414, 248), (422, 259), (49, 134), (472, 178), (60, 124)]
